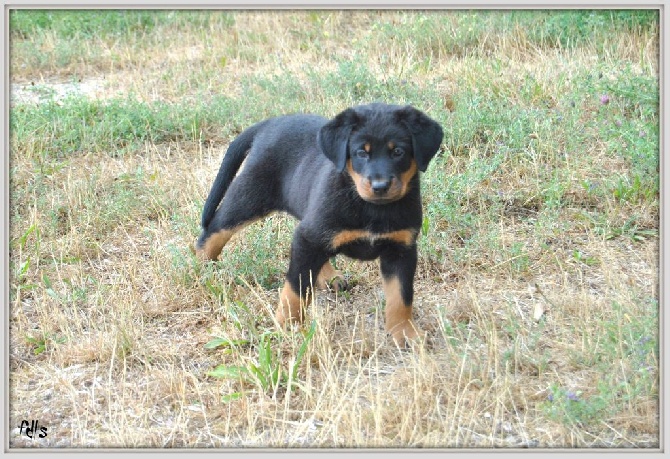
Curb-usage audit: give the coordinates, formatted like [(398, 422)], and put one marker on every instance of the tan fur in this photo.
[(291, 306), (406, 176), (405, 237), (363, 186), (215, 243), (329, 277), (398, 189), (347, 236), (399, 321)]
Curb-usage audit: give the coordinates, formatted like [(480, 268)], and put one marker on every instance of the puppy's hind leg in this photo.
[(241, 206), (211, 243)]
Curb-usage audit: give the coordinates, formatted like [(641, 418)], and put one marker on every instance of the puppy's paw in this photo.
[(291, 308), (285, 316), (199, 253), (407, 335), (338, 283), (332, 279)]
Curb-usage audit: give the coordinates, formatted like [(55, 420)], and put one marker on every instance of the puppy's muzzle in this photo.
[(381, 186)]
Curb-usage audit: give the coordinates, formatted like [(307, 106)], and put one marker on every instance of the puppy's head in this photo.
[(381, 147)]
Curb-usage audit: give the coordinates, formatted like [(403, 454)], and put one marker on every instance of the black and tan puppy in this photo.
[(353, 182)]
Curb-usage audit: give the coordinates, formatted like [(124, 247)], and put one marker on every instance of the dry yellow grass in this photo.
[(127, 314)]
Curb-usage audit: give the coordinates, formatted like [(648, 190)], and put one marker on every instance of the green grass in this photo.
[(630, 342), (76, 125), (69, 24)]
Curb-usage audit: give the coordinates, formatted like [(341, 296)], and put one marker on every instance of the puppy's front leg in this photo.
[(398, 268), (307, 259)]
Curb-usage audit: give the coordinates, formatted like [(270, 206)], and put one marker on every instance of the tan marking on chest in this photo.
[(404, 237)]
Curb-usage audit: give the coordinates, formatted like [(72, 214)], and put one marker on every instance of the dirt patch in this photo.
[(57, 91)]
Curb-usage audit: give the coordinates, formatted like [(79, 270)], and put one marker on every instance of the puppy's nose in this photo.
[(380, 186)]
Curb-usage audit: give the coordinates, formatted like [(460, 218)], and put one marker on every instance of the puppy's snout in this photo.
[(380, 186)]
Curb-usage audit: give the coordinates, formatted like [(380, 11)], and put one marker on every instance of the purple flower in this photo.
[(604, 99), (572, 396)]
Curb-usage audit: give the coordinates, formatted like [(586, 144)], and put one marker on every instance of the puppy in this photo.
[(352, 181)]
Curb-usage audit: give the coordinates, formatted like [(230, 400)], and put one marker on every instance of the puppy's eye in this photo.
[(397, 152), (362, 154)]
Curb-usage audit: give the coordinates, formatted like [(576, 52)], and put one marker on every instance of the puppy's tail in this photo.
[(232, 160)]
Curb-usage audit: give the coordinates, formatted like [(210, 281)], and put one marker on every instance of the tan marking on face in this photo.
[(399, 323), (404, 237), (406, 176), (367, 147), (291, 307), (363, 186), (397, 190), (391, 145)]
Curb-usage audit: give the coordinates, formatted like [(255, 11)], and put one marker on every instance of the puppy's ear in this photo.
[(426, 134), (333, 137)]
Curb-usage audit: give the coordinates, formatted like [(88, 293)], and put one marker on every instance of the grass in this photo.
[(538, 272)]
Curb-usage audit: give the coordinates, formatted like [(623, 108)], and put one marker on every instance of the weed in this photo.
[(586, 259), (44, 342), (266, 371), (572, 408)]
